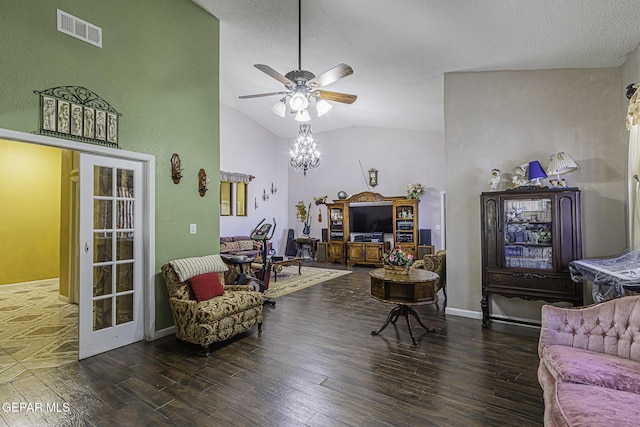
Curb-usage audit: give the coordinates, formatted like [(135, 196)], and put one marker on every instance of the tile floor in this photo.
[(37, 329)]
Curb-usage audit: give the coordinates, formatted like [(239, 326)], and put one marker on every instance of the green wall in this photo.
[(158, 66)]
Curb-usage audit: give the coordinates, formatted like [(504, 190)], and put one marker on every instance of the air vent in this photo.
[(76, 27)]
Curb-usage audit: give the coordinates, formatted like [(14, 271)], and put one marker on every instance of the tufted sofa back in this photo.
[(180, 289), (611, 327)]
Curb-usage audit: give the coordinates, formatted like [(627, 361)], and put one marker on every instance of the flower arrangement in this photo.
[(415, 191), (397, 257)]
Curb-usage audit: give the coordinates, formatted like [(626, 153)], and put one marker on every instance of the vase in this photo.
[(396, 269)]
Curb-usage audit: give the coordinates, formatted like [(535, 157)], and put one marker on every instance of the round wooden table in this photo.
[(416, 288)]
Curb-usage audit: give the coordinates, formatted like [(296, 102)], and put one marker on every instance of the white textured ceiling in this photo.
[(399, 50)]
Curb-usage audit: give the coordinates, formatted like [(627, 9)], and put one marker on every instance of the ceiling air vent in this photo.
[(76, 27)]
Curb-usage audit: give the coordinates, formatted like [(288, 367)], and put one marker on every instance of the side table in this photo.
[(416, 288)]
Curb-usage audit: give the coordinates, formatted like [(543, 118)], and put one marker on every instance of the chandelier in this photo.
[(304, 154)]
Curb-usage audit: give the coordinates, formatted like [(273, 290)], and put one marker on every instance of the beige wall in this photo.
[(502, 119)]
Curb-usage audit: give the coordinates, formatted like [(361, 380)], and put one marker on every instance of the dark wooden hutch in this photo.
[(529, 236)]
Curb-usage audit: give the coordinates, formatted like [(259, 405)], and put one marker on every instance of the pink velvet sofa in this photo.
[(590, 364)]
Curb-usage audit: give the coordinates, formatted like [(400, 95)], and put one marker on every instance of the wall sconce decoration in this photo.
[(265, 196), (274, 189), (373, 177), (203, 183), (255, 203), (176, 168)]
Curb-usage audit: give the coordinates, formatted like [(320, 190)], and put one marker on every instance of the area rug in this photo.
[(290, 281)]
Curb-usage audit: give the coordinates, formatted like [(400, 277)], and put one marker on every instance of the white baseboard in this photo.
[(496, 317), (464, 313), (163, 333)]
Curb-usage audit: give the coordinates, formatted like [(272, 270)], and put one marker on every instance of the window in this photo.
[(225, 198), (241, 199)]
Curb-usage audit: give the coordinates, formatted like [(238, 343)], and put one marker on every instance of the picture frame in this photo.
[(63, 123), (101, 125), (76, 120), (112, 128), (89, 127), (49, 109)]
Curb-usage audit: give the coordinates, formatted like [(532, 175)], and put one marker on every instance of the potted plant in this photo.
[(397, 261)]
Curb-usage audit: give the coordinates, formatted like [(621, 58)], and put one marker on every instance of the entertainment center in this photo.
[(357, 226)]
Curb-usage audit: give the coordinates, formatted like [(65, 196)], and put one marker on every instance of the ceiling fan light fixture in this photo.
[(280, 107), (303, 116), (298, 102), (323, 107)]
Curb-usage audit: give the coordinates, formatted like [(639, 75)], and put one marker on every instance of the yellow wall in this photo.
[(29, 212)]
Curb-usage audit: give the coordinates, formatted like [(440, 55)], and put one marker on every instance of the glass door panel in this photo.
[(527, 233), (112, 204)]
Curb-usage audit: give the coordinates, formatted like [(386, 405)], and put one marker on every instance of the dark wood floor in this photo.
[(315, 364)]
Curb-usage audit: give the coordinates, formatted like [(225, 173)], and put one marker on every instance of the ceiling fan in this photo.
[(303, 86)]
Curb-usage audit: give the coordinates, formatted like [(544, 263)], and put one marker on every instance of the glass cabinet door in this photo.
[(527, 233), (336, 231)]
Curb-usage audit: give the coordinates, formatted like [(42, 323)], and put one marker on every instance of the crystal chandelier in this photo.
[(304, 154)]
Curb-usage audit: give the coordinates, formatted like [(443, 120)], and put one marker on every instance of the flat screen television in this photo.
[(370, 219)]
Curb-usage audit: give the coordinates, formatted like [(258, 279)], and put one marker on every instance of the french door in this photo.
[(111, 312)]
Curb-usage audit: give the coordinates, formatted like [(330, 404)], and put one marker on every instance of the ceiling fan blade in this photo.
[(333, 75), (259, 95), (273, 73), (335, 96)]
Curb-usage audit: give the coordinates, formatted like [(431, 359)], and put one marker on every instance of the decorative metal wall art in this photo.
[(75, 112), (176, 168)]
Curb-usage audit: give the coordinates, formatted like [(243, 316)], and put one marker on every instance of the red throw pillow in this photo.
[(206, 286)]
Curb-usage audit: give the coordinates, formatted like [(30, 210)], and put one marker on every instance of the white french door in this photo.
[(111, 254)]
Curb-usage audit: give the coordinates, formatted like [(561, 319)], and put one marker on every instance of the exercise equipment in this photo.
[(263, 233)]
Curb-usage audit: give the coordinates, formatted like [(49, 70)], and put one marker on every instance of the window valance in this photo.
[(235, 177)]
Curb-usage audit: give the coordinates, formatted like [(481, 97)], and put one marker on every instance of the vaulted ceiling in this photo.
[(400, 50)]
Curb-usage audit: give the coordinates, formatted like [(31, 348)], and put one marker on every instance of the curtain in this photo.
[(634, 187)]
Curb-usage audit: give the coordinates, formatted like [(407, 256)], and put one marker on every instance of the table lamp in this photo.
[(536, 173), (560, 163)]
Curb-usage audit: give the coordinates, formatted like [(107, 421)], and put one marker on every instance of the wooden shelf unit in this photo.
[(405, 225), (405, 229)]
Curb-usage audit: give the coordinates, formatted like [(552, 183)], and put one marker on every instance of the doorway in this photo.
[(147, 172)]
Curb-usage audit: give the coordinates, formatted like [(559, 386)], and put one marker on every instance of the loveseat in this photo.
[(240, 245), (590, 364), (234, 308)]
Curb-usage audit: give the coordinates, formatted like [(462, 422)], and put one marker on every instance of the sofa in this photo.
[(240, 245), (436, 263), (233, 310), (590, 364)]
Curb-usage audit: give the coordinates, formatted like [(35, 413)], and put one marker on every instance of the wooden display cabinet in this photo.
[(405, 229), (529, 237), (369, 253), (405, 225), (338, 214)]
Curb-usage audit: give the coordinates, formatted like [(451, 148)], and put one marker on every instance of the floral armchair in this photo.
[(218, 318), (438, 264)]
